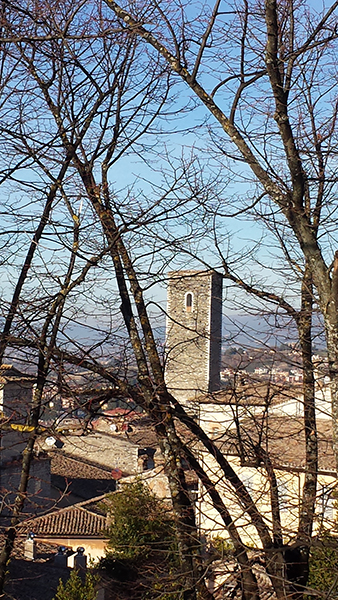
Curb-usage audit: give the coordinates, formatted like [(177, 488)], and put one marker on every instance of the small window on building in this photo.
[(327, 502), (248, 481), (283, 495), (188, 302)]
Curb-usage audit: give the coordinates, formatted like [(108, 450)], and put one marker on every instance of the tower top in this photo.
[(193, 273)]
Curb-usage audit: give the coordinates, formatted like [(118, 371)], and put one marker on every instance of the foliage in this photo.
[(120, 569), (324, 566), (76, 589), (223, 547), (140, 526), (164, 588), (142, 534)]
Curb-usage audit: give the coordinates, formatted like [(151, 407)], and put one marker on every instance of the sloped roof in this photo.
[(282, 438), (74, 521), (252, 392), (8, 373), (72, 467), (82, 478)]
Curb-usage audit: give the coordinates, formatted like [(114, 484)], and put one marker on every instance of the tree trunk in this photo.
[(17, 511), (300, 572)]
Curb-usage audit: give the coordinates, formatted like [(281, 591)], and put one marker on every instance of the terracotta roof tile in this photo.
[(70, 467), (253, 392), (73, 521), (10, 373), (283, 438)]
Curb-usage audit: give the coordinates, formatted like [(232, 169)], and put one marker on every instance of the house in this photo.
[(105, 450), (39, 486), (282, 440), (295, 406), (74, 480), (256, 418), (16, 394), (221, 410), (83, 524), (88, 464)]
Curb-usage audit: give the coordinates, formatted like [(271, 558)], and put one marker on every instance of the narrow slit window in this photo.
[(188, 302)]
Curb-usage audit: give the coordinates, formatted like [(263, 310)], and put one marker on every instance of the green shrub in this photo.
[(324, 566), (140, 527), (122, 570), (76, 589)]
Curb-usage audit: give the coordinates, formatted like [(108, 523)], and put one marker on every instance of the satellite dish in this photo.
[(50, 441)]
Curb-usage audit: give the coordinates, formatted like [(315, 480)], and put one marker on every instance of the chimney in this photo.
[(60, 559), (80, 560), (30, 548)]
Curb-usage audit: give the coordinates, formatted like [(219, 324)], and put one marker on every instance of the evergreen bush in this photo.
[(140, 527), (76, 589)]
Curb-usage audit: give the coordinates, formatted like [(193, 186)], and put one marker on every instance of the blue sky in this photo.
[(138, 175)]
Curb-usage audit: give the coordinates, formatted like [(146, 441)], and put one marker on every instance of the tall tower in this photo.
[(193, 333)]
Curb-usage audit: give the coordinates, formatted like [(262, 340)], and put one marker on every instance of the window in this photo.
[(248, 481), (283, 494), (326, 502), (188, 302)]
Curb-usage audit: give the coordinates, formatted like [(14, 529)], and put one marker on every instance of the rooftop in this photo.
[(252, 392), (282, 438), (8, 373), (79, 477), (79, 520)]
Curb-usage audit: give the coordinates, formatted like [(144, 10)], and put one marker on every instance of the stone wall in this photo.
[(15, 404), (17, 400), (13, 444), (39, 486), (101, 449)]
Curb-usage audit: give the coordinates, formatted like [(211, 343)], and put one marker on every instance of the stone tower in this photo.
[(193, 333)]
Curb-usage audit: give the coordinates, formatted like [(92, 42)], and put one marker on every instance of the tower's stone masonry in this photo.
[(193, 333)]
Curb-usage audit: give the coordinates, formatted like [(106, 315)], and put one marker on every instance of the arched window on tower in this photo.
[(188, 302)]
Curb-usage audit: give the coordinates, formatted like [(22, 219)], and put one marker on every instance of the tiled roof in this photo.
[(10, 373), (73, 521), (79, 477), (70, 467), (120, 412), (142, 432), (144, 436), (283, 438), (253, 392)]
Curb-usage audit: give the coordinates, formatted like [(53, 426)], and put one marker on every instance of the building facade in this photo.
[(16, 395)]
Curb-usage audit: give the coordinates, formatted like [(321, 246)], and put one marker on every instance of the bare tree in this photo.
[(283, 61), (113, 97), (72, 110)]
